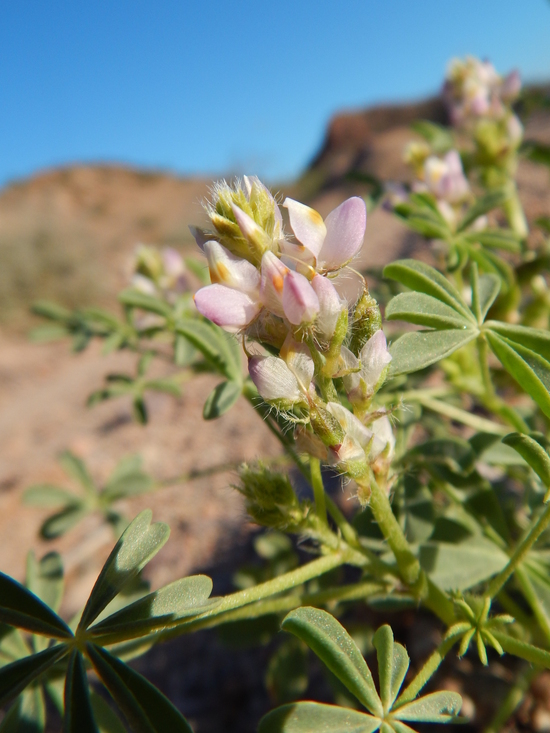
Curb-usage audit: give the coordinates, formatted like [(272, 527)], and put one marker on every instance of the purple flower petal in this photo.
[(228, 308), (345, 233), (227, 269), (307, 225), (300, 302)]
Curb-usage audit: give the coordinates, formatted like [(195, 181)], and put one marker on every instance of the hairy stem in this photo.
[(430, 667), (317, 485)]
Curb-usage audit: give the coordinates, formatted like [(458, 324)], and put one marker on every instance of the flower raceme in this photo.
[(279, 292)]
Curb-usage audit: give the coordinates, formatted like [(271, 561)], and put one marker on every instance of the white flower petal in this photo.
[(307, 225), (345, 233), (231, 309)]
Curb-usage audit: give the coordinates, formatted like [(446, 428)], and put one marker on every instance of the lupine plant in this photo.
[(443, 437)]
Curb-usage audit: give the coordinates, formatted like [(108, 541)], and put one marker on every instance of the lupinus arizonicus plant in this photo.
[(443, 436)]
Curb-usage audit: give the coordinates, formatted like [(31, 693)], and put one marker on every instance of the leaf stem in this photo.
[(533, 601), (430, 667), (317, 485), (520, 553)]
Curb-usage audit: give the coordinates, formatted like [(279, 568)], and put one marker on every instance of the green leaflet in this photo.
[(425, 279), (136, 299), (393, 663), (75, 467), (425, 310), (440, 138), (420, 349), (221, 399), (218, 347), (140, 542), (314, 717), (485, 290), (106, 718), (529, 369), (495, 238), (531, 338), (287, 673), (439, 707), (533, 453), (21, 608), (27, 714), (483, 205), (337, 650), (78, 717), (145, 707), (16, 676), (463, 565), (184, 597)]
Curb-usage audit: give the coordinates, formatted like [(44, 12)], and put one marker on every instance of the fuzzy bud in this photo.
[(366, 320), (270, 498)]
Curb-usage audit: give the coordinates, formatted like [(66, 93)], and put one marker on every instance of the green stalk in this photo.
[(520, 552), (534, 602), (518, 648), (317, 485), (429, 668), (483, 352), (476, 422), (514, 212)]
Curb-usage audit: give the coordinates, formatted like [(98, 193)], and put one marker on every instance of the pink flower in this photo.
[(231, 309), (374, 357), (333, 242), (300, 301), (445, 177)]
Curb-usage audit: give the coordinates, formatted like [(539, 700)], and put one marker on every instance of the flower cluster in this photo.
[(159, 272), (444, 178), (280, 292), (473, 89)]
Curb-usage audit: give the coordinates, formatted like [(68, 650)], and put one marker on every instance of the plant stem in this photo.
[(514, 212), (483, 352), (317, 485), (534, 602), (429, 668), (520, 552), (348, 532), (518, 648), (481, 424)]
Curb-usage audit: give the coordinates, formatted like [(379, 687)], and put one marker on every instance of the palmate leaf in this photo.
[(145, 707), (184, 597), (425, 279), (337, 650), (419, 349), (530, 370), (314, 717), (21, 608), (221, 399), (140, 542), (533, 453), (78, 717)]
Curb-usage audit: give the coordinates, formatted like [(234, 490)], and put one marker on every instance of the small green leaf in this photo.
[(495, 239), (221, 399), (535, 339), (21, 608), (439, 707), (488, 290), (106, 718), (140, 543), (135, 299), (424, 310), (47, 495), (145, 707), (337, 650), (61, 522), (218, 347), (463, 565), (482, 206), (393, 663), (182, 598), (425, 279), (79, 717), (530, 370), (440, 138), (76, 468), (16, 676), (428, 226), (53, 311), (287, 676), (533, 453), (419, 349), (139, 410), (314, 717), (164, 385)]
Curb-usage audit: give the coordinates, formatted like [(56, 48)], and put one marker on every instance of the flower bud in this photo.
[(300, 302), (270, 498), (366, 321), (275, 382), (258, 240), (445, 178), (227, 269)]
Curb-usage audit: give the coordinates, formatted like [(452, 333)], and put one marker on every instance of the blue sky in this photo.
[(216, 87)]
